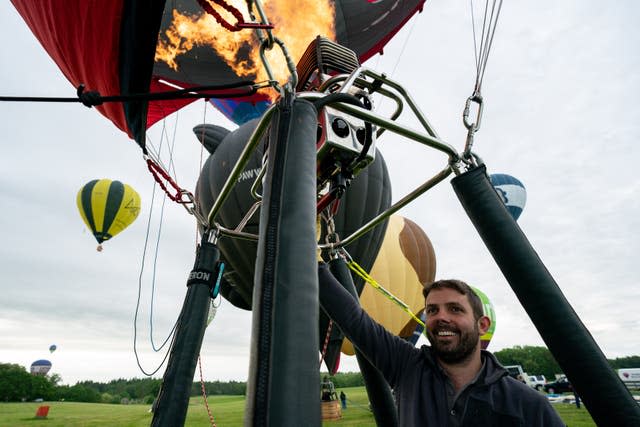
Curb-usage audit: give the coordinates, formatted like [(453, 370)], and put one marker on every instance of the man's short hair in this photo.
[(461, 287)]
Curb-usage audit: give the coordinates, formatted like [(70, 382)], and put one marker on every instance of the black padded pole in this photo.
[(382, 403), (605, 396), (173, 398), (284, 380)]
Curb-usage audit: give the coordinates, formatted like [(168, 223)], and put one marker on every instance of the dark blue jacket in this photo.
[(420, 385)]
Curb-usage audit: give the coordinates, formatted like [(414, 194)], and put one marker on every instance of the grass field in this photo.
[(227, 411)]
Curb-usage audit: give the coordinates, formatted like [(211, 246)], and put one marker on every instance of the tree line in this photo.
[(16, 384), (539, 360)]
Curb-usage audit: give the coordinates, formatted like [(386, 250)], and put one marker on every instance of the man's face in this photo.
[(453, 332)]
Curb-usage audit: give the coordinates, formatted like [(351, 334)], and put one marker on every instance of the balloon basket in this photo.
[(331, 410)]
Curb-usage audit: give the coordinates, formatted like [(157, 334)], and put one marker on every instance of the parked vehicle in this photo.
[(515, 371), (561, 385), (537, 381), (533, 381)]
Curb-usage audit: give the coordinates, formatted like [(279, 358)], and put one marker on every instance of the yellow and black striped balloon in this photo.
[(107, 207)]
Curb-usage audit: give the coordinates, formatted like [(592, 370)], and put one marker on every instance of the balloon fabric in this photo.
[(125, 47), (368, 195)]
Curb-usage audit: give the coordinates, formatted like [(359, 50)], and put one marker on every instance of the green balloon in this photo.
[(489, 311)]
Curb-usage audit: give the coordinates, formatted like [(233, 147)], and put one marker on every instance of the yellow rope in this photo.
[(370, 280)]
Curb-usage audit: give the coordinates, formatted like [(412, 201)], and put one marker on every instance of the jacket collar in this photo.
[(493, 369)]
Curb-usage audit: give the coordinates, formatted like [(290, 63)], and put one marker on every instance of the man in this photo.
[(450, 383)]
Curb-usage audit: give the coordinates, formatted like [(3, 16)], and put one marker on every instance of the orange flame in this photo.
[(295, 25)]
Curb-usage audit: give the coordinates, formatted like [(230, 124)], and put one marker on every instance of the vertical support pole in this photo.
[(173, 398), (284, 381), (605, 396)]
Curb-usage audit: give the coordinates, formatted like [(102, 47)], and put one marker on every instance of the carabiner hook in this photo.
[(477, 98)]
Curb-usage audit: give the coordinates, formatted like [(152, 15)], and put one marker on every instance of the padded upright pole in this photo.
[(284, 379), (378, 390), (173, 398), (605, 396)]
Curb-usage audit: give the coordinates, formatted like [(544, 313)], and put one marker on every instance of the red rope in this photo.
[(204, 395), (326, 341), (241, 24), (161, 176)]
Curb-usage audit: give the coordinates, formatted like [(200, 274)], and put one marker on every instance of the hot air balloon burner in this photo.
[(322, 59)]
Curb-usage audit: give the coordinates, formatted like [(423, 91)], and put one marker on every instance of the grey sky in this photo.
[(561, 115)]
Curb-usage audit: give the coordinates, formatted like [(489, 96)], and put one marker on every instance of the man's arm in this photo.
[(384, 350)]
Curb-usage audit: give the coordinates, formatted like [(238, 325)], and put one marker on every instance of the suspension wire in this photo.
[(486, 39), (481, 53), (398, 59), (204, 121), (153, 282), (135, 318), (404, 46), (171, 148), (171, 335)]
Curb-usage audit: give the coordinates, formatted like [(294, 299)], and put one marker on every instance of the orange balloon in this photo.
[(405, 263)]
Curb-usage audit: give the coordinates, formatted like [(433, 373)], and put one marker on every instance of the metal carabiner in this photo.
[(472, 128), (477, 98), (191, 206)]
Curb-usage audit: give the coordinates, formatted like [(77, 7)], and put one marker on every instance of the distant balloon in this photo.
[(107, 207), (40, 367), (405, 263), (241, 110), (489, 311), (52, 348), (511, 191)]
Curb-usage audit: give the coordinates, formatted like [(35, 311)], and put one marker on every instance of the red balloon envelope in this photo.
[(110, 45)]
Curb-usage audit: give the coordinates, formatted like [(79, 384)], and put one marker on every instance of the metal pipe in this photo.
[(241, 163), (407, 132), (392, 209), (355, 77), (236, 234)]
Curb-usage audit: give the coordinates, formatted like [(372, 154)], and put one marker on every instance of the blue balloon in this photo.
[(40, 367), (511, 191), (241, 110)]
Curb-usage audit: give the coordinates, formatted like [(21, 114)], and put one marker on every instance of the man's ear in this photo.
[(484, 323)]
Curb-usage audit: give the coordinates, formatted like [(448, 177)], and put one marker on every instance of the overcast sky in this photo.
[(561, 114)]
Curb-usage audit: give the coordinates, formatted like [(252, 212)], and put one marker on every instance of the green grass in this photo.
[(228, 411)]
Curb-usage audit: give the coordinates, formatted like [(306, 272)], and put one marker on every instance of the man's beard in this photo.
[(461, 352)]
